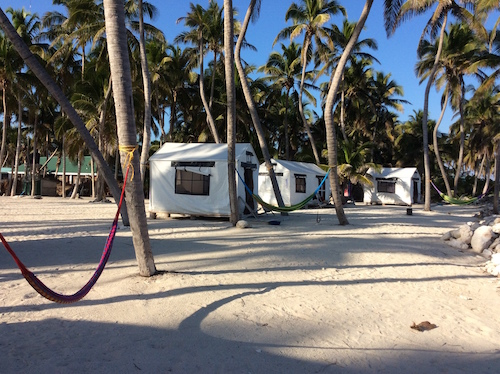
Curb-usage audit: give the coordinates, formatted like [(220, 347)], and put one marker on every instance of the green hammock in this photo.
[(454, 200), (283, 209)]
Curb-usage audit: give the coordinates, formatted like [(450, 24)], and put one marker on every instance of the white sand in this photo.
[(301, 297)]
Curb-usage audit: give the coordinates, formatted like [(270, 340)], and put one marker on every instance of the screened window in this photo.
[(189, 183), (386, 185), (300, 183)]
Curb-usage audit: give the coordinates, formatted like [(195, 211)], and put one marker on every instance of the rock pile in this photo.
[(481, 237)]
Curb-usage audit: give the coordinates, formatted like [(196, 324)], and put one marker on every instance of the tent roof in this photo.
[(299, 167), (71, 166), (401, 173), (199, 151)]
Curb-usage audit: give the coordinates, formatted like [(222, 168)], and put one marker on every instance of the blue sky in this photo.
[(397, 54)]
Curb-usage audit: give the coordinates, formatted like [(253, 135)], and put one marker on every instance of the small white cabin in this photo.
[(398, 186), (296, 180), (192, 179)]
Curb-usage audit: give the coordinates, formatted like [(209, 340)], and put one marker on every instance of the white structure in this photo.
[(192, 179), (400, 186), (296, 180)]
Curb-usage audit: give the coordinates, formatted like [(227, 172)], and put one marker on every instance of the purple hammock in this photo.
[(51, 295)]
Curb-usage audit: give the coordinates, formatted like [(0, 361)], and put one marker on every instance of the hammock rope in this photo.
[(283, 209), (454, 200), (51, 295)]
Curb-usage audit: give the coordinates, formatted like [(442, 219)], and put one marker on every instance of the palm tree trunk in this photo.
[(496, 188), (18, 147), (331, 138), (146, 136), (74, 194), (6, 123), (231, 109), (436, 146), (285, 125), (64, 168), (92, 175), (102, 120), (251, 106), (210, 119), (65, 104), (33, 163), (462, 136), (342, 110), (119, 63), (486, 175), (307, 41), (212, 84), (425, 133)]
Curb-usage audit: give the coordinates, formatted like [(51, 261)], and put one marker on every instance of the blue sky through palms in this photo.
[(397, 54)]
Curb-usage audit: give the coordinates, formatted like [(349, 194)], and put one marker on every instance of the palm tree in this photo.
[(9, 65), (408, 134), (398, 11), (27, 26), (383, 97), (253, 7), (331, 137), (197, 21), (231, 108), (59, 96), (482, 117), (214, 36), (461, 55), (146, 137), (175, 79), (308, 17), (283, 70), (353, 164), (122, 93), (330, 53)]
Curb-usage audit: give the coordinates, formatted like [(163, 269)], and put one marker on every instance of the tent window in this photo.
[(300, 183), (386, 185), (188, 183)]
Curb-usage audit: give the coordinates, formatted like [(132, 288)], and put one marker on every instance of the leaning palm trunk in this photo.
[(18, 147), (119, 63), (425, 132), (231, 109), (251, 106), (146, 136), (66, 106), (331, 138), (436, 146), (301, 105), (210, 119)]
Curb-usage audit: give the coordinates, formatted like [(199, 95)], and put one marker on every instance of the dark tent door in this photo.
[(249, 182)]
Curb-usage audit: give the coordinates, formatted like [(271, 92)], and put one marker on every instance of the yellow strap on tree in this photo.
[(129, 149)]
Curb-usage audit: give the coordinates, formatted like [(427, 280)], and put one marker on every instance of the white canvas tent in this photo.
[(296, 180), (192, 179), (399, 186)]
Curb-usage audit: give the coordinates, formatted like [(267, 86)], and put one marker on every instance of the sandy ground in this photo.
[(306, 296)]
